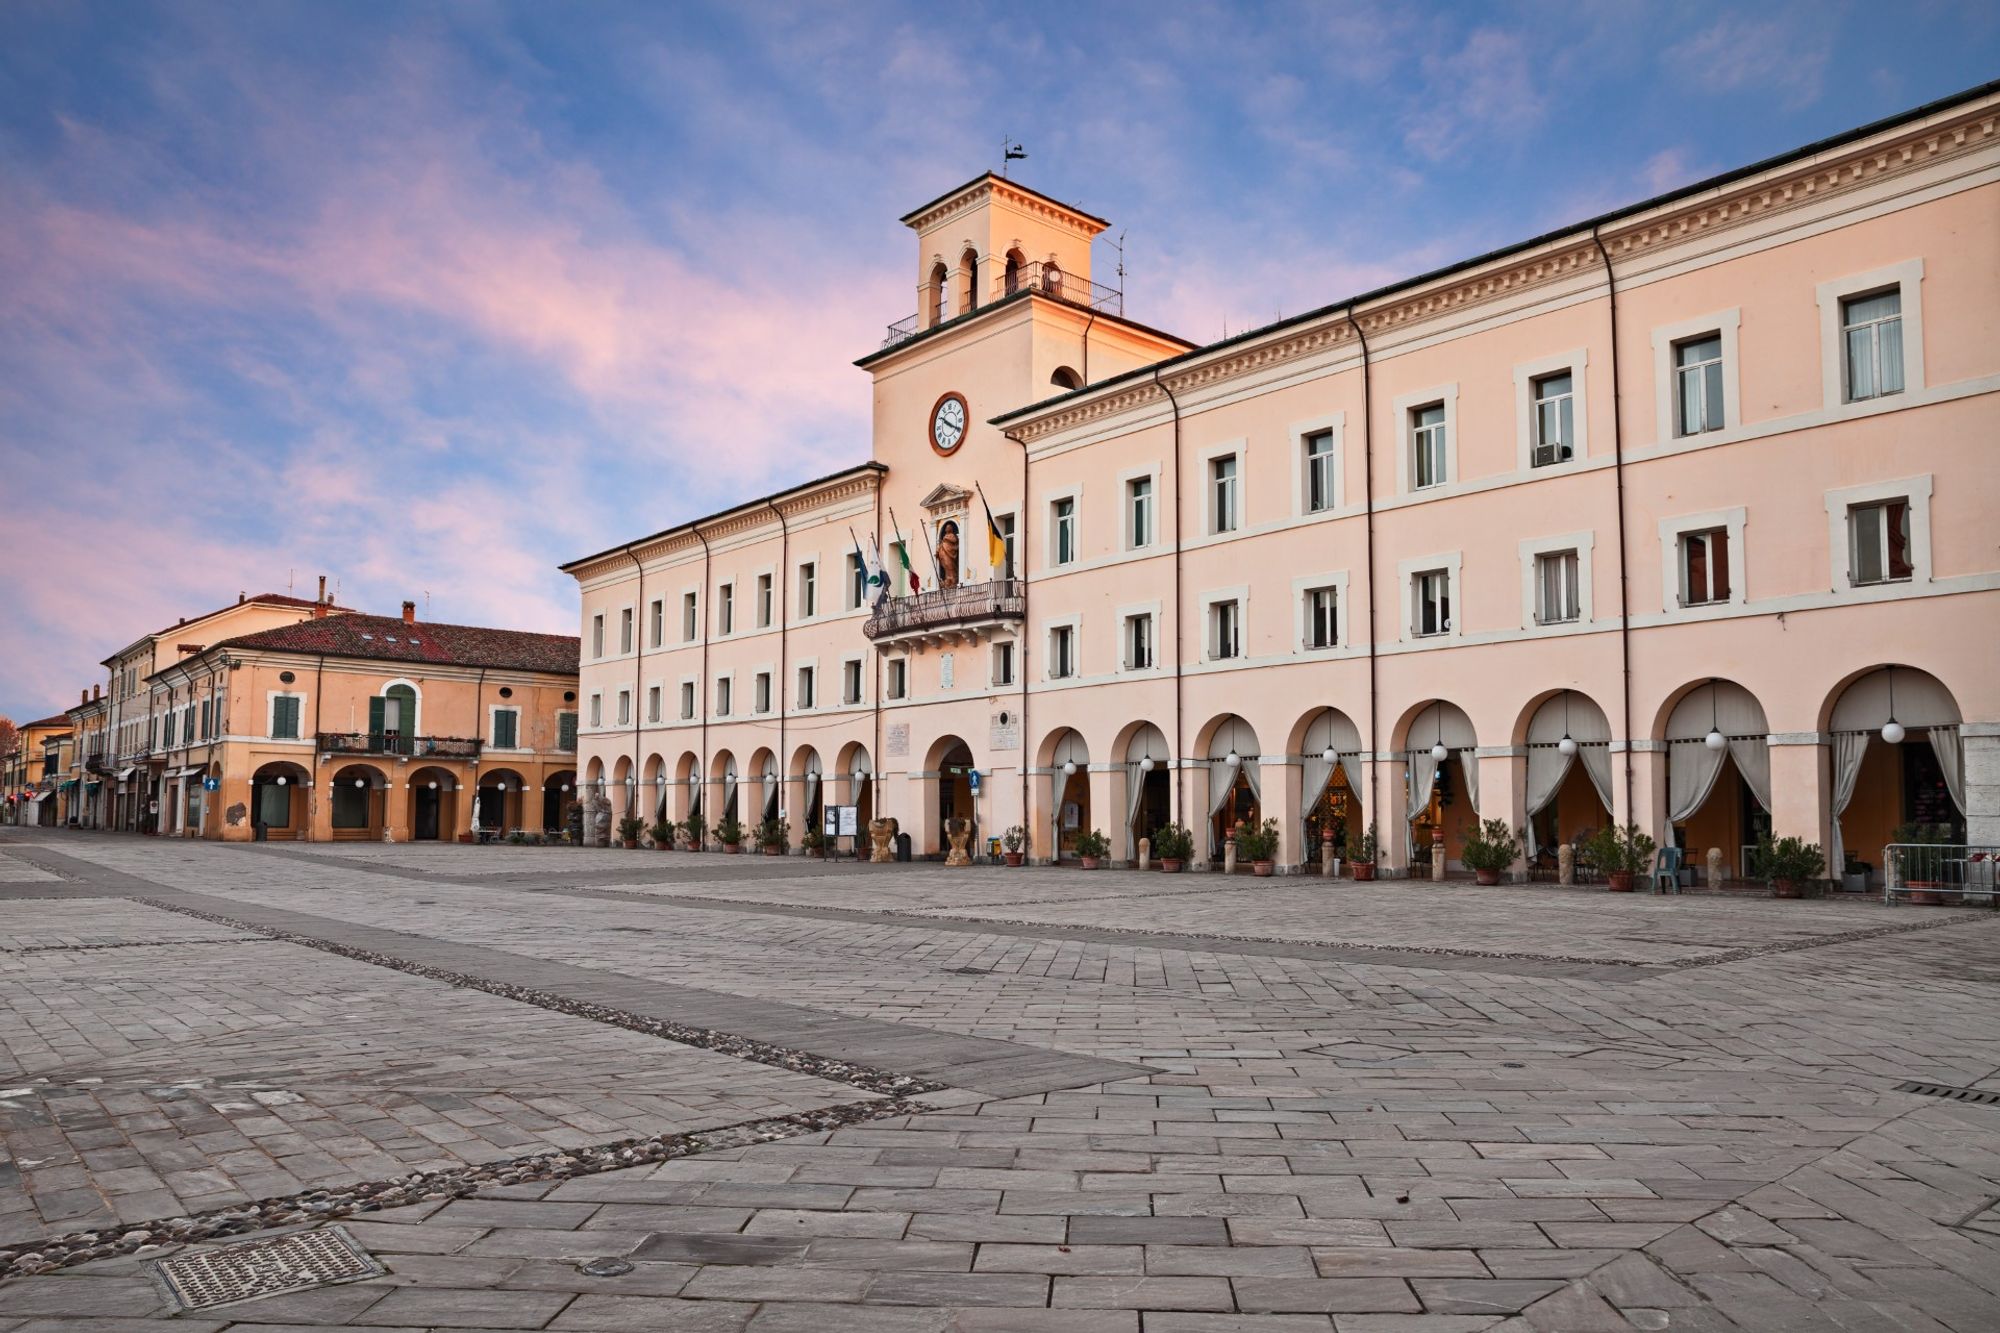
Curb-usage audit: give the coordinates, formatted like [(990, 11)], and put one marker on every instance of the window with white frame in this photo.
[(1430, 603), (624, 708), (1139, 641), (760, 692), (764, 599), (653, 703), (1554, 437), (725, 609), (1429, 447), (687, 699), (724, 690), (1704, 566), (506, 728), (596, 710), (808, 683), (1878, 542), (1322, 617), (690, 617), (597, 635), (625, 630), (1062, 531), (896, 681), (809, 590), (1319, 477), (1062, 652), (856, 581), (656, 617), (1003, 662), (900, 573), (850, 681), (1139, 512), (1871, 344), (1698, 401), (1225, 493), (1558, 595), (1005, 522), (1225, 629)]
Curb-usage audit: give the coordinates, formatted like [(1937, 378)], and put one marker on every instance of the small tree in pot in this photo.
[(629, 829), (695, 830), (1091, 848), (663, 834), (1620, 853), (730, 834), (1361, 853), (1011, 843), (1789, 865), (1490, 849), (1258, 844), (774, 836), (1173, 845), (814, 842)]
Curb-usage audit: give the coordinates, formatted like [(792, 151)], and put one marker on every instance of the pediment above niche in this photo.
[(946, 496)]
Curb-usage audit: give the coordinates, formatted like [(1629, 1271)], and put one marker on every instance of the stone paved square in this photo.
[(1048, 1099)]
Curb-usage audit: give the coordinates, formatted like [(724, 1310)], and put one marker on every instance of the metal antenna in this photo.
[(1010, 152), (1120, 246)]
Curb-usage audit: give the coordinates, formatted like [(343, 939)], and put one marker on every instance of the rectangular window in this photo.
[(1705, 567), (1878, 542), (1319, 471), (808, 590), (596, 710), (565, 731), (765, 610), (808, 678), (898, 683), (1003, 662), (1222, 482), (1062, 515), (625, 630), (723, 690), (653, 703), (857, 581), (506, 728), (207, 716), (624, 708), (1428, 446), (1139, 642), (690, 618), (687, 699), (761, 692), (1322, 621), (1698, 385), (597, 635), (1139, 511), (167, 731), (1555, 419), (1225, 630), (1431, 596), (1005, 522), (1871, 335), (1062, 652), (285, 718), (850, 682), (1557, 595), (725, 609), (656, 620)]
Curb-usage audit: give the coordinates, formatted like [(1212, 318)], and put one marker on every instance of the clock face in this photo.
[(948, 420)]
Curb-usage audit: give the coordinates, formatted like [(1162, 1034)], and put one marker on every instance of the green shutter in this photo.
[(566, 731), (504, 727), (375, 715), (285, 718)]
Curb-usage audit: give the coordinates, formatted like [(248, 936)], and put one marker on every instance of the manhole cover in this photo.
[(203, 1279)]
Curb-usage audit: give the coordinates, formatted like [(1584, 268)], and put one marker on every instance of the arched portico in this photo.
[(859, 790), (1718, 772), (558, 791), (1568, 791), (1328, 746), (1235, 779), (278, 796), (687, 787), (357, 800), (722, 780), (765, 795), (433, 796), (1440, 780), (809, 775), (498, 805), (947, 767), (1148, 773), (1896, 761), (1065, 758)]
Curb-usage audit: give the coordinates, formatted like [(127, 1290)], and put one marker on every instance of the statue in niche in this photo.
[(947, 554)]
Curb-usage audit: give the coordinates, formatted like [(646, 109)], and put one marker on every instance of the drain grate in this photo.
[(970, 971), (203, 1279), (1979, 1096)]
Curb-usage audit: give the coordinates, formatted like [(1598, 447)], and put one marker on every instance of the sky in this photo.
[(431, 298)]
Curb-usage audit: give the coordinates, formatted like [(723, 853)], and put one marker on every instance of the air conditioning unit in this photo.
[(1547, 454)]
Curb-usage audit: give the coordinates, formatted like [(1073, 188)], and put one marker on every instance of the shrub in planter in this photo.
[(1361, 853), (1011, 843), (775, 837), (1789, 865), (1490, 848), (1258, 844), (695, 830), (1172, 845), (662, 834), (1091, 848), (1916, 866), (629, 829), (814, 841), (517, 838), (1620, 853), (729, 832)]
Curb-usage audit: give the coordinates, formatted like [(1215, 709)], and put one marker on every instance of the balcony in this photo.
[(1039, 277), (945, 614), (99, 763), (402, 747)]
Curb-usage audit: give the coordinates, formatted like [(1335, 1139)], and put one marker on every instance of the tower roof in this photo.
[(991, 185)]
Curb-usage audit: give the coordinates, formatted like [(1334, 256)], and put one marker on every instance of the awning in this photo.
[(127, 771), (91, 784), (68, 784)]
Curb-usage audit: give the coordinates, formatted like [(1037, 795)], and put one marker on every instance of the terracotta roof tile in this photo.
[(393, 639)]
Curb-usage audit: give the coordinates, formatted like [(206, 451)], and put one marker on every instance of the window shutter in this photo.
[(566, 731), (504, 728), (376, 712)]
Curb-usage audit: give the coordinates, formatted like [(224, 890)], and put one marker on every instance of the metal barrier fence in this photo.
[(1947, 874)]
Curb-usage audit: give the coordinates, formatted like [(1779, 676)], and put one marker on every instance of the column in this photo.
[(1981, 744), (1106, 811), (1284, 787), (1392, 821), (1503, 782), (1648, 807), (315, 806), (1801, 785)]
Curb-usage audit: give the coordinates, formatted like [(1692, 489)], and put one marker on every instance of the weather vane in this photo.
[(1010, 152)]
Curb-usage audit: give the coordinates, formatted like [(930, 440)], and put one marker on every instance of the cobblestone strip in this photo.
[(131, 944), (744, 1048), (325, 1205)]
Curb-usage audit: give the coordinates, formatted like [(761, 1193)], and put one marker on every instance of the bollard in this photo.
[(1437, 855), (1565, 864), (1145, 853), (1229, 856), (1714, 867)]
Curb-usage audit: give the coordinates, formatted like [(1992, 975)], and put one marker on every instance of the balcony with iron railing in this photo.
[(1036, 277), (399, 746), (968, 609)]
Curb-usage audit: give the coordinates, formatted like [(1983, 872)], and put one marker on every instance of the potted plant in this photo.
[(517, 838), (629, 829), (1620, 853), (662, 834), (1917, 866), (813, 841), (1258, 844), (1789, 864), (1173, 845), (695, 830), (729, 832), (1361, 852), (1490, 848), (774, 835), (1011, 843), (1091, 848)]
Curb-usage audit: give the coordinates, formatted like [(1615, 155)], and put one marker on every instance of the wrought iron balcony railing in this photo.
[(391, 743), (1039, 277), (967, 605)]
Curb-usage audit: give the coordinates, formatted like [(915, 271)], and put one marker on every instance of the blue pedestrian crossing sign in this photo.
[(972, 780)]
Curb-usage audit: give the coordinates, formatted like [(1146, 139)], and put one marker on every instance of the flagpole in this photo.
[(936, 572)]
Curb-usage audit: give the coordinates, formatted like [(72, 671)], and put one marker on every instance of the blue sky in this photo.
[(431, 298)]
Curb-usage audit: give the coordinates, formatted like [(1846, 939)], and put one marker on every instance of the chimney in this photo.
[(322, 589), (96, 692), (242, 596), (409, 613), (83, 697)]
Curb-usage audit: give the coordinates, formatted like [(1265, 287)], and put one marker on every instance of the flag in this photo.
[(874, 580), (996, 545)]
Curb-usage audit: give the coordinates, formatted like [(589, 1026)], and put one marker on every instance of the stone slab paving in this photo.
[(1322, 1143)]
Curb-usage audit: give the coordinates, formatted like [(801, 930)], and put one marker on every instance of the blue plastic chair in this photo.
[(1667, 871)]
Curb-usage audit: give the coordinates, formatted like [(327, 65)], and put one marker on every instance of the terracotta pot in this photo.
[(663, 847), (1488, 877), (1363, 870), (774, 851), (1089, 862), (631, 844), (732, 847), (1618, 881), (1172, 867), (1785, 888), (1924, 893), (1261, 869), (1014, 858)]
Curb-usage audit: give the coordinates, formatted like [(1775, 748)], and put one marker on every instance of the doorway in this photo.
[(425, 818)]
